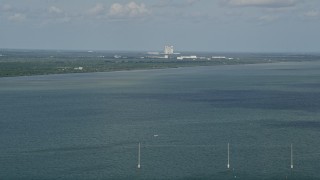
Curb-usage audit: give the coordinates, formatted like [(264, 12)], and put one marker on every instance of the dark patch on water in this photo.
[(249, 176), (307, 85), (84, 148), (289, 69), (292, 124), (98, 167), (251, 99), (261, 99)]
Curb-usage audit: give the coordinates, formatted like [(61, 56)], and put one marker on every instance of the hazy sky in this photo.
[(188, 25)]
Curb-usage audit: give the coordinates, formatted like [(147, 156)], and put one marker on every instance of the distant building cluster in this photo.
[(168, 50), (168, 53)]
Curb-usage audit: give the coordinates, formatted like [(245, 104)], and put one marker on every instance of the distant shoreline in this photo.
[(30, 63), (46, 68)]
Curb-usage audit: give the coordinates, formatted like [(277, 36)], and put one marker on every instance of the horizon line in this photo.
[(140, 51)]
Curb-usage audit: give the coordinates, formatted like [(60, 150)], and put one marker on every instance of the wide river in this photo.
[(88, 126)]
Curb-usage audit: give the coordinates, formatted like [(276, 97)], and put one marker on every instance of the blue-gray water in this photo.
[(87, 126)]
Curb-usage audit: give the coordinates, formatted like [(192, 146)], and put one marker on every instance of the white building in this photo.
[(186, 57), (168, 49)]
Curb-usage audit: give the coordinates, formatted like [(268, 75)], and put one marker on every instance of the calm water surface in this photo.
[(87, 126)]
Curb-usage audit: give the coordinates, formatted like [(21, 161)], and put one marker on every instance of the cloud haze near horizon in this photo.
[(189, 25)]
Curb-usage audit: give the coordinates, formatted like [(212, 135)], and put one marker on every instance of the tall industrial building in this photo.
[(168, 49)]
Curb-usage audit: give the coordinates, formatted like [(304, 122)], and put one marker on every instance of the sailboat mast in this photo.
[(291, 158), (228, 158), (139, 156)]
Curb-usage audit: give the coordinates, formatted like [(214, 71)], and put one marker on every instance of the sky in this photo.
[(148, 25)]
